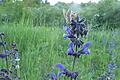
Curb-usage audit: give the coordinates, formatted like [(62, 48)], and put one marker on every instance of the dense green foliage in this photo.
[(42, 48), (39, 13)]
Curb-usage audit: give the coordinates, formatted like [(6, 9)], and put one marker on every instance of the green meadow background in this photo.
[(37, 28)]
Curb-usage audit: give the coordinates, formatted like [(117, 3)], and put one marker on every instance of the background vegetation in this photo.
[(36, 26), (38, 13)]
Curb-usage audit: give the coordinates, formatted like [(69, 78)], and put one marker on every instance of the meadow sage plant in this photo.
[(109, 74), (76, 29), (11, 58)]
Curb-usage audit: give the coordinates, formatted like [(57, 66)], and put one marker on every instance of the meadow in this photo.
[(34, 30), (41, 48)]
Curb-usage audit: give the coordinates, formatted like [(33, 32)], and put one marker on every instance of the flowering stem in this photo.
[(73, 63), (5, 51), (74, 60)]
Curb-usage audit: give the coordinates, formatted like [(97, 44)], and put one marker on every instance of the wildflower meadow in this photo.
[(65, 41)]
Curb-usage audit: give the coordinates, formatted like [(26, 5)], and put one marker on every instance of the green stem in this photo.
[(73, 63), (74, 60)]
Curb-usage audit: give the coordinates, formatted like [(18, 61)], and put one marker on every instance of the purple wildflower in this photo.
[(65, 36), (72, 22), (70, 51), (74, 75), (68, 30), (53, 76), (60, 66), (68, 36), (70, 45), (85, 45), (60, 73), (110, 66), (14, 62), (3, 55), (86, 51), (5, 51)]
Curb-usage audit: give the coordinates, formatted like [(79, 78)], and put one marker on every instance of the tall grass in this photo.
[(42, 47)]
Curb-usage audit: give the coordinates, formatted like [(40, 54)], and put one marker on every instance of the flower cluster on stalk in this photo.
[(76, 30), (11, 57), (109, 74), (67, 73)]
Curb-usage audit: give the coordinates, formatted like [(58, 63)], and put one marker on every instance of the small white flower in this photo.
[(17, 66), (17, 59)]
